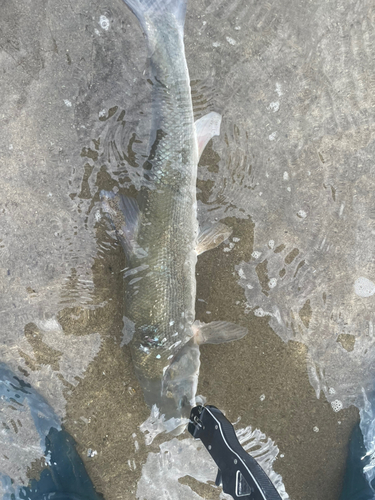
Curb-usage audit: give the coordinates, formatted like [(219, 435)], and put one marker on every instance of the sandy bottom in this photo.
[(259, 379)]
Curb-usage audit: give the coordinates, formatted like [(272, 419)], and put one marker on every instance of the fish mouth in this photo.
[(174, 392), (171, 401)]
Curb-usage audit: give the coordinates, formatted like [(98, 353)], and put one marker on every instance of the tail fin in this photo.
[(152, 9)]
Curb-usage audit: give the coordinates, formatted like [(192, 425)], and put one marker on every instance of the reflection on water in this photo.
[(172, 471), (295, 85), (299, 161)]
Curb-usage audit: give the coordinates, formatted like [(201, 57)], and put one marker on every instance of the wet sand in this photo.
[(105, 407)]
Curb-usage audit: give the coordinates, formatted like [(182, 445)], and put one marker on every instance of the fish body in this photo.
[(159, 230)]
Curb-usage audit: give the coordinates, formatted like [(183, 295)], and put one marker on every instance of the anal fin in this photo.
[(217, 332), (123, 212)]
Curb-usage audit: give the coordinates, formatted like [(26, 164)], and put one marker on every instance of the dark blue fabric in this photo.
[(355, 485), (66, 477)]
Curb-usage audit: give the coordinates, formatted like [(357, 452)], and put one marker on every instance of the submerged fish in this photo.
[(159, 229)]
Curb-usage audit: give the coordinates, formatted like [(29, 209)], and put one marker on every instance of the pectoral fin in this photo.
[(217, 332), (211, 235), (124, 215), (206, 127)]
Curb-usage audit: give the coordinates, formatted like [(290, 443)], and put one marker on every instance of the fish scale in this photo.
[(159, 230), (168, 225)]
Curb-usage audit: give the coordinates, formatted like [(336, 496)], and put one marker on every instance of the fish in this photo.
[(159, 229)]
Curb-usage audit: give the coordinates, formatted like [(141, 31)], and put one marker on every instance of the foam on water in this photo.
[(180, 458), (311, 159), (156, 424), (316, 284), (22, 441), (363, 287)]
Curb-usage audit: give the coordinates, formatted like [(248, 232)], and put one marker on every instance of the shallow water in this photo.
[(291, 172)]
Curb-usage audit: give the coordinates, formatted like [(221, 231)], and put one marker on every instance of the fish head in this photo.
[(180, 380), (174, 392)]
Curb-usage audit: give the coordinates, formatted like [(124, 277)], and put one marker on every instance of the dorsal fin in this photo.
[(205, 128)]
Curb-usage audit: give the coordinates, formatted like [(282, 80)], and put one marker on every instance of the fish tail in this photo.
[(151, 10)]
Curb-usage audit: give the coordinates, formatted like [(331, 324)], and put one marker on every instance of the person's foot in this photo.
[(65, 477), (355, 485)]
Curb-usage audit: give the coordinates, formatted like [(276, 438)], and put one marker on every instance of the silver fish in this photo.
[(159, 230)]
